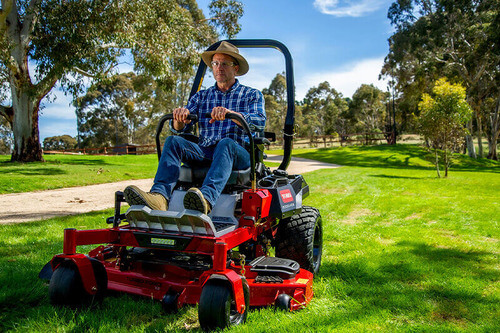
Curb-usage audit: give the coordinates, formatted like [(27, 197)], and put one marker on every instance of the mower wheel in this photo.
[(217, 308), (169, 302), (300, 238), (283, 302), (66, 286)]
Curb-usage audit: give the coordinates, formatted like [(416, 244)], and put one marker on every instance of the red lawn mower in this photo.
[(220, 261)]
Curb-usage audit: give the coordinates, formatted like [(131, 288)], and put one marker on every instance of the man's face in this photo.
[(223, 72)]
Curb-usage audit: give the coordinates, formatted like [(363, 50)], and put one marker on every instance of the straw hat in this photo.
[(231, 50)]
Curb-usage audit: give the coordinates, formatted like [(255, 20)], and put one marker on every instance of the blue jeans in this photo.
[(224, 157)]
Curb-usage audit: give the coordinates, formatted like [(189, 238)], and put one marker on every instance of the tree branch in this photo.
[(29, 21)]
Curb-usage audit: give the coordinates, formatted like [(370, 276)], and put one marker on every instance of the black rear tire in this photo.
[(217, 308), (300, 238)]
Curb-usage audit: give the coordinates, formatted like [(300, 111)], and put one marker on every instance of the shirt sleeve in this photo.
[(256, 114)]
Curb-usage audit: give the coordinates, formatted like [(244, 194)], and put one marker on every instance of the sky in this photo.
[(343, 42)]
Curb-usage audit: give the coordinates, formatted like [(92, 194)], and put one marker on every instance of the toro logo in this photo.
[(286, 196)]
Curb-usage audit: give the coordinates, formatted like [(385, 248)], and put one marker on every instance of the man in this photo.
[(221, 141)]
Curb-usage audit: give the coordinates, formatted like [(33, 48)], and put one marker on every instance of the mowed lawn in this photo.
[(403, 251), (60, 171)]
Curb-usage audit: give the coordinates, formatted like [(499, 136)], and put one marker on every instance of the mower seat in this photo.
[(197, 175)]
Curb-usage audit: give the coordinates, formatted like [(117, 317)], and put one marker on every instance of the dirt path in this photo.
[(32, 206)]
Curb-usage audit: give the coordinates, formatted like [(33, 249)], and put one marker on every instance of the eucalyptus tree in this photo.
[(276, 103), (368, 108), (442, 38), (322, 108), (46, 41)]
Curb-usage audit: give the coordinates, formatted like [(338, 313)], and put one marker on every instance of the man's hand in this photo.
[(180, 118), (219, 113)]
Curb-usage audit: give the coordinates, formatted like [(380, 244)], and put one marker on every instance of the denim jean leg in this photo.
[(228, 155), (175, 150)]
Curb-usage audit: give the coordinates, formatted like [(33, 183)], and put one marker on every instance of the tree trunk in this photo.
[(494, 132), (437, 163), (25, 127), (479, 136), (469, 140)]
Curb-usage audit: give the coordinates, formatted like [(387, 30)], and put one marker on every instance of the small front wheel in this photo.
[(66, 286), (217, 308)]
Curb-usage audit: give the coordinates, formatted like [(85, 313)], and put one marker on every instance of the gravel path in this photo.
[(32, 206)]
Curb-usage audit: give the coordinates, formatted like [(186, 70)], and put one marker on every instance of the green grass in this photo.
[(69, 170), (403, 251)]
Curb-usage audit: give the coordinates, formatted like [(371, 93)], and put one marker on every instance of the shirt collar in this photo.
[(233, 87)]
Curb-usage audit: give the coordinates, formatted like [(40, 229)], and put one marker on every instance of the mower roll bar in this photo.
[(233, 115), (288, 130)]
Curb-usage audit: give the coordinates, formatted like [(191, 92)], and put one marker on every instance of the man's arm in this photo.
[(256, 115)]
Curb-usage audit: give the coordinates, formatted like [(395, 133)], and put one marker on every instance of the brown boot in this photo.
[(194, 200), (136, 196)]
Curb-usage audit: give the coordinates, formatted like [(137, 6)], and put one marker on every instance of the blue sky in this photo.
[(343, 42)]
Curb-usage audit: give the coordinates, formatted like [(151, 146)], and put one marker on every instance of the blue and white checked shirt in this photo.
[(249, 102)]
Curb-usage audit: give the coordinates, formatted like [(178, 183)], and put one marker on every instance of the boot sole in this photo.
[(194, 200), (134, 198)]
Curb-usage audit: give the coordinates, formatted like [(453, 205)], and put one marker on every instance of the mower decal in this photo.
[(286, 196)]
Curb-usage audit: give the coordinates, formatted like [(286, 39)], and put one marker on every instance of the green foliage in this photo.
[(453, 39), (323, 110), (276, 103), (367, 108), (59, 142), (67, 40), (399, 256), (5, 137), (443, 118)]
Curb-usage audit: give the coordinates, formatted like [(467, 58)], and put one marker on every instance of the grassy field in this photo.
[(69, 170), (403, 251)]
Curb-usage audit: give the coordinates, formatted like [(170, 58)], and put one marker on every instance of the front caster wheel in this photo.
[(66, 286), (283, 302), (217, 308)]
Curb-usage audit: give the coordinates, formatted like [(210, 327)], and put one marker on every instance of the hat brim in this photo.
[(242, 63)]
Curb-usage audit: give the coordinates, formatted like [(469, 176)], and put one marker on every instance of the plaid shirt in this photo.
[(247, 101)]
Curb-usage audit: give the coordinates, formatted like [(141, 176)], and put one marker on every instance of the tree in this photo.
[(5, 137), (442, 38), (45, 41), (106, 113), (443, 118), (59, 142), (276, 103), (322, 108), (368, 108)]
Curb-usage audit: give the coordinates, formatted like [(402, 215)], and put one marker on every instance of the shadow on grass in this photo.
[(395, 156), (80, 161), (397, 177), (44, 171), (444, 285)]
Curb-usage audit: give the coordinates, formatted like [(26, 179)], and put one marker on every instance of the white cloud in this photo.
[(347, 79), (352, 8)]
